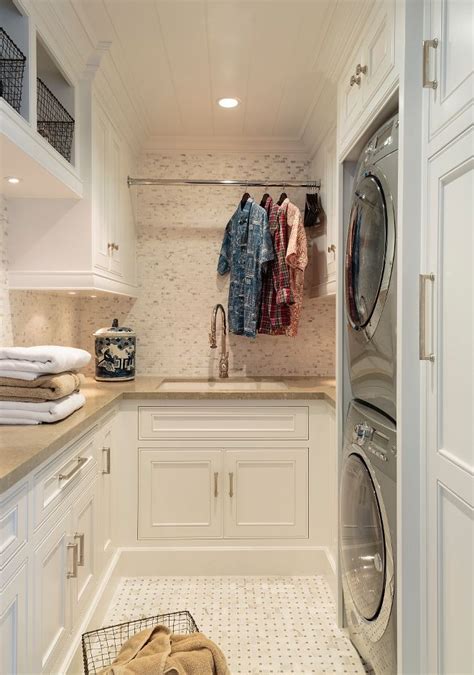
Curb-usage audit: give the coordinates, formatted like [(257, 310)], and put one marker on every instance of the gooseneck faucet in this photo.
[(224, 355)]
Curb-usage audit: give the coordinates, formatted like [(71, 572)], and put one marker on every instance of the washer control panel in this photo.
[(374, 441)]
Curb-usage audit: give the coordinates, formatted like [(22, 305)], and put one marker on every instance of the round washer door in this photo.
[(369, 252), (362, 538)]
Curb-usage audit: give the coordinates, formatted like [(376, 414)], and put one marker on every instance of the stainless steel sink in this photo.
[(232, 384)]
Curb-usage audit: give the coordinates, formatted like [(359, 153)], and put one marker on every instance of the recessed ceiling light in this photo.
[(93, 296), (12, 179), (71, 292), (228, 102)]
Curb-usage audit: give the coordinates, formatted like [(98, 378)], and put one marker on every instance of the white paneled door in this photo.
[(450, 65), (179, 493), (447, 345), (266, 493)]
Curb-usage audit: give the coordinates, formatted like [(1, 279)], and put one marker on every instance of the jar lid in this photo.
[(114, 329)]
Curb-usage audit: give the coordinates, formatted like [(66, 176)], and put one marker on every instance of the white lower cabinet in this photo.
[(267, 493), (14, 636), (183, 493), (179, 493), (106, 456), (52, 565), (85, 519)]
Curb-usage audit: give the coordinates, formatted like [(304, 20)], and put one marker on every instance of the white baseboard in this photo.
[(214, 560)]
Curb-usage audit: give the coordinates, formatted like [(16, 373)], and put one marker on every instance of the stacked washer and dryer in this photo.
[(367, 509)]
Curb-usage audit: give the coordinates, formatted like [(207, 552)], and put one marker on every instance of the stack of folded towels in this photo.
[(40, 384)]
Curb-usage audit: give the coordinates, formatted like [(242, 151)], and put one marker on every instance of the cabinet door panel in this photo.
[(99, 192), (52, 606), (14, 624), (350, 99), (179, 493), (379, 53), (266, 493), (106, 464), (451, 23), (449, 244), (85, 517), (114, 210)]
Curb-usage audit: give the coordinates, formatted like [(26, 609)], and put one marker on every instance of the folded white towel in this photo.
[(15, 421), (20, 374), (42, 359), (35, 413)]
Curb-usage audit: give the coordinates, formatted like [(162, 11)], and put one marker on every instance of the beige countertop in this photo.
[(23, 448)]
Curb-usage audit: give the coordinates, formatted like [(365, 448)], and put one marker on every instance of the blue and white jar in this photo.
[(115, 353)]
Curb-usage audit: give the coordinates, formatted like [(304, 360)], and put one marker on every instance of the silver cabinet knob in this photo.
[(355, 80), (360, 69)]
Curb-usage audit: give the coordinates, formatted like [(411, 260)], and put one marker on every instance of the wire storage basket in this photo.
[(100, 647), (12, 70), (53, 121)]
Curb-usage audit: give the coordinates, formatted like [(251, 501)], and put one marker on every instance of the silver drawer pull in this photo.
[(73, 574), (107, 465), (427, 83), (80, 558), (216, 484), (80, 463), (231, 485), (423, 355)]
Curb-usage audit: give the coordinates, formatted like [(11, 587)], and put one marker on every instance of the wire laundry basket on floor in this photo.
[(100, 647)]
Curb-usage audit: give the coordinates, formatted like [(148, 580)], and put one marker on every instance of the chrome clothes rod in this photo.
[(242, 183)]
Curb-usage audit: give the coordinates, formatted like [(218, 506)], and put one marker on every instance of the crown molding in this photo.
[(226, 145)]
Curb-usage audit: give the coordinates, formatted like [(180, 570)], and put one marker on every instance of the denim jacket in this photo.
[(246, 249)]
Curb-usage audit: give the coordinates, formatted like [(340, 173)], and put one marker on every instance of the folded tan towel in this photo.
[(44, 388), (155, 651)]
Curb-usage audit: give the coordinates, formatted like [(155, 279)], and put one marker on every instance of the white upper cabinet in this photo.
[(371, 74), (88, 245), (449, 64)]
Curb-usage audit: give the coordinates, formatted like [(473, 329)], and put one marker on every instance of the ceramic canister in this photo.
[(115, 353)]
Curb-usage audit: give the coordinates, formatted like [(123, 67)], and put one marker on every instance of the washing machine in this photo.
[(370, 272), (367, 536)]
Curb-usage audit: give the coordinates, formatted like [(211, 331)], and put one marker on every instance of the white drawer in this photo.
[(53, 483), (236, 422), (13, 524)]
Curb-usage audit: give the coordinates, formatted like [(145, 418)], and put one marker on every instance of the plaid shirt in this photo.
[(277, 296)]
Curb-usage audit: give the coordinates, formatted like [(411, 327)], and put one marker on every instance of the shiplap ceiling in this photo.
[(280, 58)]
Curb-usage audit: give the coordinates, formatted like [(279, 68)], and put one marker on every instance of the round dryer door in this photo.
[(366, 250), (362, 538)]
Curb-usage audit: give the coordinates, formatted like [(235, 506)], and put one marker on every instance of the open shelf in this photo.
[(17, 27)]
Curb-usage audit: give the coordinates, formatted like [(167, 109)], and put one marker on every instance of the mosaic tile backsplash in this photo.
[(179, 234)]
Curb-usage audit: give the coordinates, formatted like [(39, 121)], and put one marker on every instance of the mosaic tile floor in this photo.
[(262, 624)]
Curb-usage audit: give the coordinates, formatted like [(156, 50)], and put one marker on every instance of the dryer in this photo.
[(367, 536), (370, 272)]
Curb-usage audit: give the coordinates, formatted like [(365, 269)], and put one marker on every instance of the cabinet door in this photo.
[(266, 493), (449, 403), (450, 21), (85, 520), (330, 168), (350, 99), (379, 53), (179, 493), (52, 561), (104, 488), (114, 212), (100, 224), (14, 649)]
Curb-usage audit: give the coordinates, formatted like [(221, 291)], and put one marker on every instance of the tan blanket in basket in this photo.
[(156, 651), (44, 388)]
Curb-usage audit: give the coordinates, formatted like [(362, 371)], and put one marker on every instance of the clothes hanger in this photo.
[(265, 197), (283, 196), (245, 198)]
